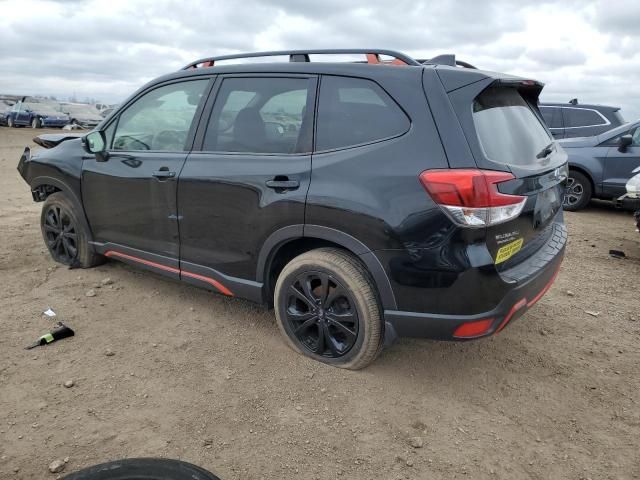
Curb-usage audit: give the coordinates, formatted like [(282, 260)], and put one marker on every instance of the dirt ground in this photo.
[(207, 379)]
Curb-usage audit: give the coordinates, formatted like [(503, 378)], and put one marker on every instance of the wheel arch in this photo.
[(289, 242), (44, 186), (587, 173)]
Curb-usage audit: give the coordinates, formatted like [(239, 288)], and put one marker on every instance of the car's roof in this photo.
[(593, 106), (328, 68)]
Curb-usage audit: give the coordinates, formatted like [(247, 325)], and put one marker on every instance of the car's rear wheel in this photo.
[(10, 123), (36, 123), (64, 235), (577, 193), (327, 308)]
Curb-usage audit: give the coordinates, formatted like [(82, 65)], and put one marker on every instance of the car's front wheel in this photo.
[(36, 123), (327, 308), (65, 236), (577, 192), (10, 123)]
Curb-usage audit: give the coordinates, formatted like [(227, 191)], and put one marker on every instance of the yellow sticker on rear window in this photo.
[(509, 250)]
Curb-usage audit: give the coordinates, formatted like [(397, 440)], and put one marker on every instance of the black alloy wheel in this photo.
[(322, 314), (60, 234)]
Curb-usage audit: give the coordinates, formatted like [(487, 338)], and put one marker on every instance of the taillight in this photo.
[(471, 197)]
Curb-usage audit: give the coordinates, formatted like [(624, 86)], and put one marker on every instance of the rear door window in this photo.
[(356, 111), (261, 115), (580, 117), (508, 129)]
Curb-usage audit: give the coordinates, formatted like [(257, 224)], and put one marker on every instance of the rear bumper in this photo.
[(523, 286)]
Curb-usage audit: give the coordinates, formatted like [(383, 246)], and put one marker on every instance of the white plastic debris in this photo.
[(49, 313)]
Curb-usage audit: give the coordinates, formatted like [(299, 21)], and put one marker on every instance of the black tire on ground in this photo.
[(143, 469), (327, 308), (36, 122), (578, 192), (65, 235)]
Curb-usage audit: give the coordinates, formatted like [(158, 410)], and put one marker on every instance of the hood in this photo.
[(50, 140), (578, 142)]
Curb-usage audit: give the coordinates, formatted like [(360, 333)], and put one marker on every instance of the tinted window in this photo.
[(354, 111), (552, 116), (160, 120), (508, 129), (578, 117), (261, 115)]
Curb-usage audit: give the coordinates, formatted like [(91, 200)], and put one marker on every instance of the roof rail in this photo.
[(447, 59), (372, 56)]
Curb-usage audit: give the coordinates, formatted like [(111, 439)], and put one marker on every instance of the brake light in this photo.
[(471, 196)]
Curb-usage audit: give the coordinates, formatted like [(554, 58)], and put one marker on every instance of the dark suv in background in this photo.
[(568, 120), (363, 200)]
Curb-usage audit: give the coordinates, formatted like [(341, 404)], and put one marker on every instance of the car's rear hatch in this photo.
[(505, 132)]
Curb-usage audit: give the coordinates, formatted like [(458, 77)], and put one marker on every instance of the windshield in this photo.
[(509, 131)]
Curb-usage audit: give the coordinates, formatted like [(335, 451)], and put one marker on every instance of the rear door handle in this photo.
[(164, 174), (284, 184)]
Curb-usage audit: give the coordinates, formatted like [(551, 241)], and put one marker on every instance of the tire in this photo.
[(36, 123), (10, 123), (143, 469), (577, 193), (72, 247), (346, 317)]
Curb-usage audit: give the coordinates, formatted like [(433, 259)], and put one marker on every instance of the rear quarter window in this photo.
[(580, 117), (356, 111), (508, 129)]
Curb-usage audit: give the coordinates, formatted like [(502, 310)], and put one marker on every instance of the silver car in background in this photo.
[(82, 114)]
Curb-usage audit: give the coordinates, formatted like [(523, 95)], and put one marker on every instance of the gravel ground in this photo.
[(168, 370)]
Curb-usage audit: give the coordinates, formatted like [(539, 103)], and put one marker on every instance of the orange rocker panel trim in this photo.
[(220, 287)]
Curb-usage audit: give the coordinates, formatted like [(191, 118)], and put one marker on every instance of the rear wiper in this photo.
[(546, 151)]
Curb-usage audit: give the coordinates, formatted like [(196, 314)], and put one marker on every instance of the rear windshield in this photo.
[(509, 131)]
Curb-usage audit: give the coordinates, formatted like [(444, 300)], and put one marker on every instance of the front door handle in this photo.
[(163, 173), (283, 183)]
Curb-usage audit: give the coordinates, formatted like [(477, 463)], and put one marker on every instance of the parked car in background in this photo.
[(633, 193), (600, 166), (106, 112), (5, 108), (568, 120), (82, 114), (37, 114)]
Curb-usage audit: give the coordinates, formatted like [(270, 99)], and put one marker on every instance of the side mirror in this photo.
[(624, 142), (95, 142)]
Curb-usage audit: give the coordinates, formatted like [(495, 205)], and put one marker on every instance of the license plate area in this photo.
[(548, 202)]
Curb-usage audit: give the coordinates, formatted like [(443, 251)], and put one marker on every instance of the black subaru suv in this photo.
[(363, 200)]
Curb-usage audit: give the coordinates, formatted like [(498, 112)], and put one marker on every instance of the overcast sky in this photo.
[(106, 49)]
